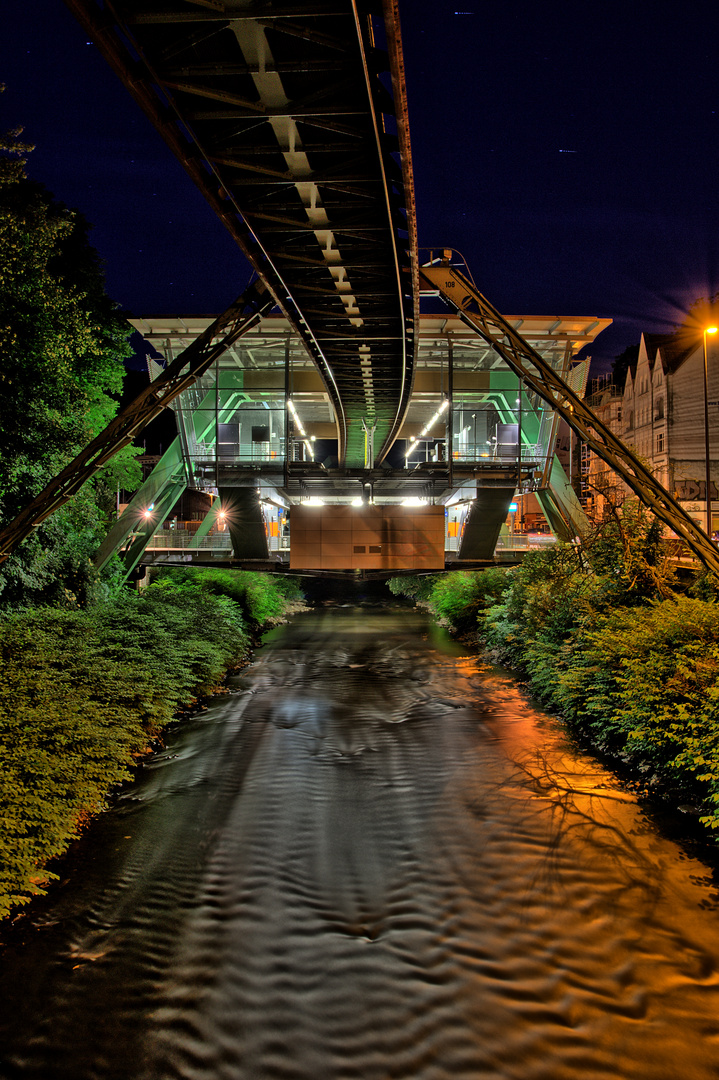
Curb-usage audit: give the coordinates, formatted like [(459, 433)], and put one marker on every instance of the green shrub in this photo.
[(626, 551), (546, 599), (462, 597), (645, 684), (82, 693), (263, 598), (416, 587), (602, 639)]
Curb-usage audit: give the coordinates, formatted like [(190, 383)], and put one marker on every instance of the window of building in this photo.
[(659, 409), (660, 442)]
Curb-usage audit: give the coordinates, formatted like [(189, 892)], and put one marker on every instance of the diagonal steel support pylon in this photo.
[(189, 365), (539, 376)]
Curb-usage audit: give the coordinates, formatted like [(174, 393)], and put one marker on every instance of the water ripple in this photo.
[(372, 860)]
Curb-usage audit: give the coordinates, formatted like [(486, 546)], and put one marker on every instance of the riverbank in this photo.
[(88, 692), (371, 835), (628, 662)]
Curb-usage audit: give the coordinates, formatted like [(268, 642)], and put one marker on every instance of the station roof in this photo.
[(553, 336), (265, 348)]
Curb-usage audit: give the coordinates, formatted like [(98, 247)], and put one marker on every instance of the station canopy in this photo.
[(272, 345)]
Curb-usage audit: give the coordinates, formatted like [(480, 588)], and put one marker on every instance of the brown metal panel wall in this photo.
[(366, 538)]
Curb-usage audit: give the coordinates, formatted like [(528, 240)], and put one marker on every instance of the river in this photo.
[(373, 859)]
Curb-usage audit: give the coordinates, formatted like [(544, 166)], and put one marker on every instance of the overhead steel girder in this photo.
[(188, 366), (476, 311), (240, 103), (116, 45)]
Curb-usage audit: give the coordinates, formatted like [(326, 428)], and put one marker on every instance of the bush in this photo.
[(84, 692), (645, 684), (263, 598), (548, 597), (603, 639), (460, 598), (415, 587)]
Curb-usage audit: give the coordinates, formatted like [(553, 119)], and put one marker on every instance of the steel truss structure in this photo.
[(254, 302), (476, 311), (292, 120)]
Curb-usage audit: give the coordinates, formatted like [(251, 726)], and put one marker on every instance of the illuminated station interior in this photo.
[(258, 430)]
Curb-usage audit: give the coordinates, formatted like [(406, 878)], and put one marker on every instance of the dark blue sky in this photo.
[(570, 151)]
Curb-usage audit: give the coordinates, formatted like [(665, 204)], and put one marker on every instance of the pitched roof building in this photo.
[(660, 414)]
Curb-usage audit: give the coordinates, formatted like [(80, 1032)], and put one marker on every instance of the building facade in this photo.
[(660, 414)]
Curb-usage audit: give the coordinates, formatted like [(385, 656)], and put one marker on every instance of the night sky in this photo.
[(570, 151)]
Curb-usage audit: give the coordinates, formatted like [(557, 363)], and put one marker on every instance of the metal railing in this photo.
[(525, 541), (183, 540), (503, 453)]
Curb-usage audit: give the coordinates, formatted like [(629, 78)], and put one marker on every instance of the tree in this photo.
[(622, 363), (626, 550), (62, 346)]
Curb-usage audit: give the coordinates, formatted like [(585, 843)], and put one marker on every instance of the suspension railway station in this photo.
[(257, 433), (335, 428)]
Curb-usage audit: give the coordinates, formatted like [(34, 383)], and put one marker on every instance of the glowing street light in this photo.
[(707, 463)]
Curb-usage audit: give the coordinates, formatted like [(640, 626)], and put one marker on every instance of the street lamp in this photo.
[(707, 463)]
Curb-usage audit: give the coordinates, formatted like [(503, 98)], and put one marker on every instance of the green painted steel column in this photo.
[(207, 522), (149, 525), (169, 470)]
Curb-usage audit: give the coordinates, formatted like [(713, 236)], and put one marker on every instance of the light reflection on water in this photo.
[(373, 859)]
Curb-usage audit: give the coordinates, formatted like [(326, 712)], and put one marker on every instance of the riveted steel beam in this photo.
[(188, 366), (240, 92), (539, 376)]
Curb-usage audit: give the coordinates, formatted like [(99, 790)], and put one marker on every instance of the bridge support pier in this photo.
[(243, 514)]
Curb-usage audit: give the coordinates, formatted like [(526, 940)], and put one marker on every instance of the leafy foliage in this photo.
[(62, 346), (626, 550), (262, 598), (604, 638), (644, 683), (458, 598), (622, 363), (84, 692), (89, 672), (416, 587), (461, 597)]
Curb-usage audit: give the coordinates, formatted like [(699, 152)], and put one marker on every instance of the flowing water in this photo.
[(373, 859)]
